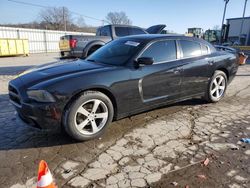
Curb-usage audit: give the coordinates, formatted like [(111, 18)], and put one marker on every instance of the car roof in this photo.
[(151, 37), (154, 37), (120, 25)]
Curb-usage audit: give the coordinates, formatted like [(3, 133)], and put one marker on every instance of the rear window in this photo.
[(121, 31), (190, 48), (105, 31), (136, 31)]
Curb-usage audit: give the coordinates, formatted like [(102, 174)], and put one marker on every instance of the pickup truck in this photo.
[(83, 45)]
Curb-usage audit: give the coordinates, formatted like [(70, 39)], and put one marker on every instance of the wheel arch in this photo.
[(224, 70), (103, 90), (91, 45)]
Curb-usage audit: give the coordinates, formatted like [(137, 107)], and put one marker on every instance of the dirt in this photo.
[(216, 172)]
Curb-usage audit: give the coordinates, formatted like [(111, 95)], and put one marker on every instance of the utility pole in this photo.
[(225, 8), (64, 20), (242, 21)]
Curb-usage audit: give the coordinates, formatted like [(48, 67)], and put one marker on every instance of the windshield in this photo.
[(117, 52)]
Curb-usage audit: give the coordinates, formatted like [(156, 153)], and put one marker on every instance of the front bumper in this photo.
[(40, 115), (44, 116)]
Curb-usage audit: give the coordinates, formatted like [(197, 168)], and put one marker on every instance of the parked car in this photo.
[(125, 77), (84, 45)]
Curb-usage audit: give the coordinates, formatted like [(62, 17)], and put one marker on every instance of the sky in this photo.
[(178, 15)]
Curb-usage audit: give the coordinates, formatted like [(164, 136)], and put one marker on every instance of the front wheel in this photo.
[(88, 116), (217, 87)]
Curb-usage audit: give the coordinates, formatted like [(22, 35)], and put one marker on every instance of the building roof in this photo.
[(239, 18)]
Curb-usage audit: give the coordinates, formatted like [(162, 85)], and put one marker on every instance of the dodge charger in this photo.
[(125, 77)]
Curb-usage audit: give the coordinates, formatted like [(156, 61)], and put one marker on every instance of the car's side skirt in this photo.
[(154, 106)]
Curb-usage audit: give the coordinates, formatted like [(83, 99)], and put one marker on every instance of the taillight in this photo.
[(72, 43)]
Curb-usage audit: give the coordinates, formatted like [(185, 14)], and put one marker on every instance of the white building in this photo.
[(234, 30)]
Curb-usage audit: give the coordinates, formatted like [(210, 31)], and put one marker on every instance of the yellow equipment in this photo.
[(11, 47)]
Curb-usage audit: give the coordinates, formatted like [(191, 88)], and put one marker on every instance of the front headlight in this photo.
[(40, 96)]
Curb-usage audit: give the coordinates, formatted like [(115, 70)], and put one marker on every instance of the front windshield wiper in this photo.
[(95, 61)]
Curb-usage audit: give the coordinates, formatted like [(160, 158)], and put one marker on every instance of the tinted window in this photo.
[(161, 51), (136, 31), (105, 31), (204, 49), (121, 31), (190, 48), (116, 52), (98, 32)]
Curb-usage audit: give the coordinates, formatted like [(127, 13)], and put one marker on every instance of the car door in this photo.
[(195, 59), (160, 81)]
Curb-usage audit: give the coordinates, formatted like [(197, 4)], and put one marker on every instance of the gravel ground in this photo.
[(159, 148)]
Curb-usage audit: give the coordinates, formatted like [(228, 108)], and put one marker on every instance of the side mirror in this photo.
[(145, 61)]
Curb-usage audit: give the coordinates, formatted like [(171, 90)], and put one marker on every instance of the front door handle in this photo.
[(177, 70), (211, 62)]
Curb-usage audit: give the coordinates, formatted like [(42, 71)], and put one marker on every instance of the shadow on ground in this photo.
[(15, 134), (13, 70)]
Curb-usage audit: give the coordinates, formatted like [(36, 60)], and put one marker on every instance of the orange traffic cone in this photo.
[(45, 179)]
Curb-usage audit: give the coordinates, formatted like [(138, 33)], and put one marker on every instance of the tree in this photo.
[(216, 27), (80, 22), (118, 18), (57, 18)]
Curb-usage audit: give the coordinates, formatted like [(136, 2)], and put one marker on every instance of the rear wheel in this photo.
[(62, 54), (93, 49), (88, 116), (217, 87)]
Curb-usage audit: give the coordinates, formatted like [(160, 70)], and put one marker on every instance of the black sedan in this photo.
[(127, 76)]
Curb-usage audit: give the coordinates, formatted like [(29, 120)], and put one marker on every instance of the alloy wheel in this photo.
[(218, 87), (91, 116)]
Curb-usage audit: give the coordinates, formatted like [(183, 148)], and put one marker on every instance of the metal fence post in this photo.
[(45, 42), (18, 33), (224, 13), (242, 22)]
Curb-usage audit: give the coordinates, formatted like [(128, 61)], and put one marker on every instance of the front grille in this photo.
[(14, 96)]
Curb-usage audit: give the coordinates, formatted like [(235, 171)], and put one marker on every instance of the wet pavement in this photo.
[(152, 149)]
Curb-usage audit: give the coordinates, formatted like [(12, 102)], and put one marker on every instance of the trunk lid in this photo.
[(64, 43), (156, 29)]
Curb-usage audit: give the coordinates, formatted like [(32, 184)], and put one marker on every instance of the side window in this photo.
[(105, 31), (204, 49), (136, 31), (98, 32), (190, 48), (121, 31), (161, 51)]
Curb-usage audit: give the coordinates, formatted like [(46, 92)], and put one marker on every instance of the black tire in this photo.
[(71, 111), (62, 54), (93, 49), (208, 96)]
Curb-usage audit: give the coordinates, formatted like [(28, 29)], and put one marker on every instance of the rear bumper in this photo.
[(233, 72), (71, 53)]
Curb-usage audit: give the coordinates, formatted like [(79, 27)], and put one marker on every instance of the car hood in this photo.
[(156, 29), (57, 69)]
